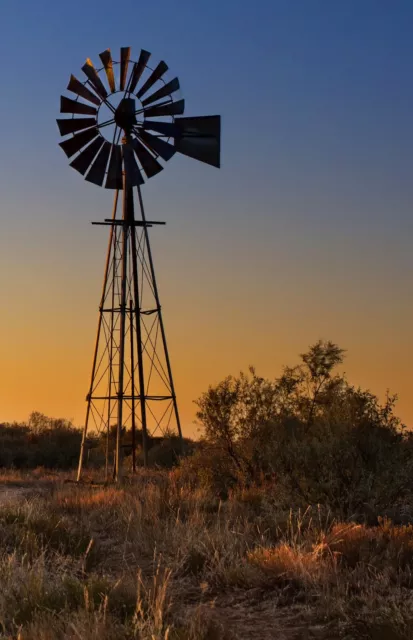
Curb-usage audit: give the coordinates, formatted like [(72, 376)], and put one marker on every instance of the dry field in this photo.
[(155, 560)]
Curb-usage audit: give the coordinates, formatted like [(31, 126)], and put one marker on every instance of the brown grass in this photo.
[(155, 560)]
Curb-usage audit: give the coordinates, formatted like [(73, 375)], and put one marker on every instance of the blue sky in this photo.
[(306, 230)]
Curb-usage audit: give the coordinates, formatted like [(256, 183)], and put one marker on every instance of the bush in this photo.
[(316, 437), (166, 452)]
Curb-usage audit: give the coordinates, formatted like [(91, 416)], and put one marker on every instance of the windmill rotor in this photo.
[(145, 116)]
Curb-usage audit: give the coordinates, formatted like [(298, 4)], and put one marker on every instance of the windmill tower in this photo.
[(121, 123)]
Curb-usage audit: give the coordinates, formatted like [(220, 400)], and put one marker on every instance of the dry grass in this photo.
[(155, 560)]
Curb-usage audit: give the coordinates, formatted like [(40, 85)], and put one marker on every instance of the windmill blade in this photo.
[(138, 69), (75, 86), (124, 62), (200, 138), (71, 125), (114, 179), (132, 173), (162, 148), (83, 161), (150, 165), (73, 106), (80, 140), (165, 109), (155, 75), (90, 71), (166, 90), (98, 168), (107, 62), (166, 128)]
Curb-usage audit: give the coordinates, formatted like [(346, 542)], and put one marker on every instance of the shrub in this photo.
[(319, 439)]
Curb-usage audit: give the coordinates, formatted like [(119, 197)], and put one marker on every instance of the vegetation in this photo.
[(154, 560), (309, 435), (54, 443), (42, 442), (291, 518)]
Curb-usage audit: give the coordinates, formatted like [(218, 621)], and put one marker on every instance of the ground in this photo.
[(155, 560)]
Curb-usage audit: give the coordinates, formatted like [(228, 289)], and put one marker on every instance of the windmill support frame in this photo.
[(133, 256)]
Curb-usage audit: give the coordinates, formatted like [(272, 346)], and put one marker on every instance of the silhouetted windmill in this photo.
[(121, 125)]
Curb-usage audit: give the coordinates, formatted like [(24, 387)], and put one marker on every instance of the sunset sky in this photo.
[(305, 233)]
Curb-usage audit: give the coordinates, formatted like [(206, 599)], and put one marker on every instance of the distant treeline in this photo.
[(54, 443)]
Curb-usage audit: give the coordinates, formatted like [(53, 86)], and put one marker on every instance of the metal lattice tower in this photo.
[(131, 126)]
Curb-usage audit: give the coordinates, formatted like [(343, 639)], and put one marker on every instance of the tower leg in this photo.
[(111, 355), (142, 395), (162, 327), (132, 350), (123, 312), (95, 355)]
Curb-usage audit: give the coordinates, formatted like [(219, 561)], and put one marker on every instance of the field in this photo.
[(154, 559)]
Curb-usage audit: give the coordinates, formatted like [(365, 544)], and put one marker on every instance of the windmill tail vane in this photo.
[(122, 123)]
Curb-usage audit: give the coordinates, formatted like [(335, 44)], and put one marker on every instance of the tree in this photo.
[(323, 439), (319, 363), (237, 408)]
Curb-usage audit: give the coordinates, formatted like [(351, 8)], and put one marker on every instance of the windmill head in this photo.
[(145, 122)]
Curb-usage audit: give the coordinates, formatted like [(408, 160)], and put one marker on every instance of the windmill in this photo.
[(121, 124)]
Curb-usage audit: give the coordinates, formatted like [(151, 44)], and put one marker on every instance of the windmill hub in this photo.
[(125, 116)]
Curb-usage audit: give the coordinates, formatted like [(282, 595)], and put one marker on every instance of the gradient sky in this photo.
[(305, 232)]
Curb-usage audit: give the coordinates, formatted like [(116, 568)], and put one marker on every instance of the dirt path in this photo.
[(244, 615), (10, 493)]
